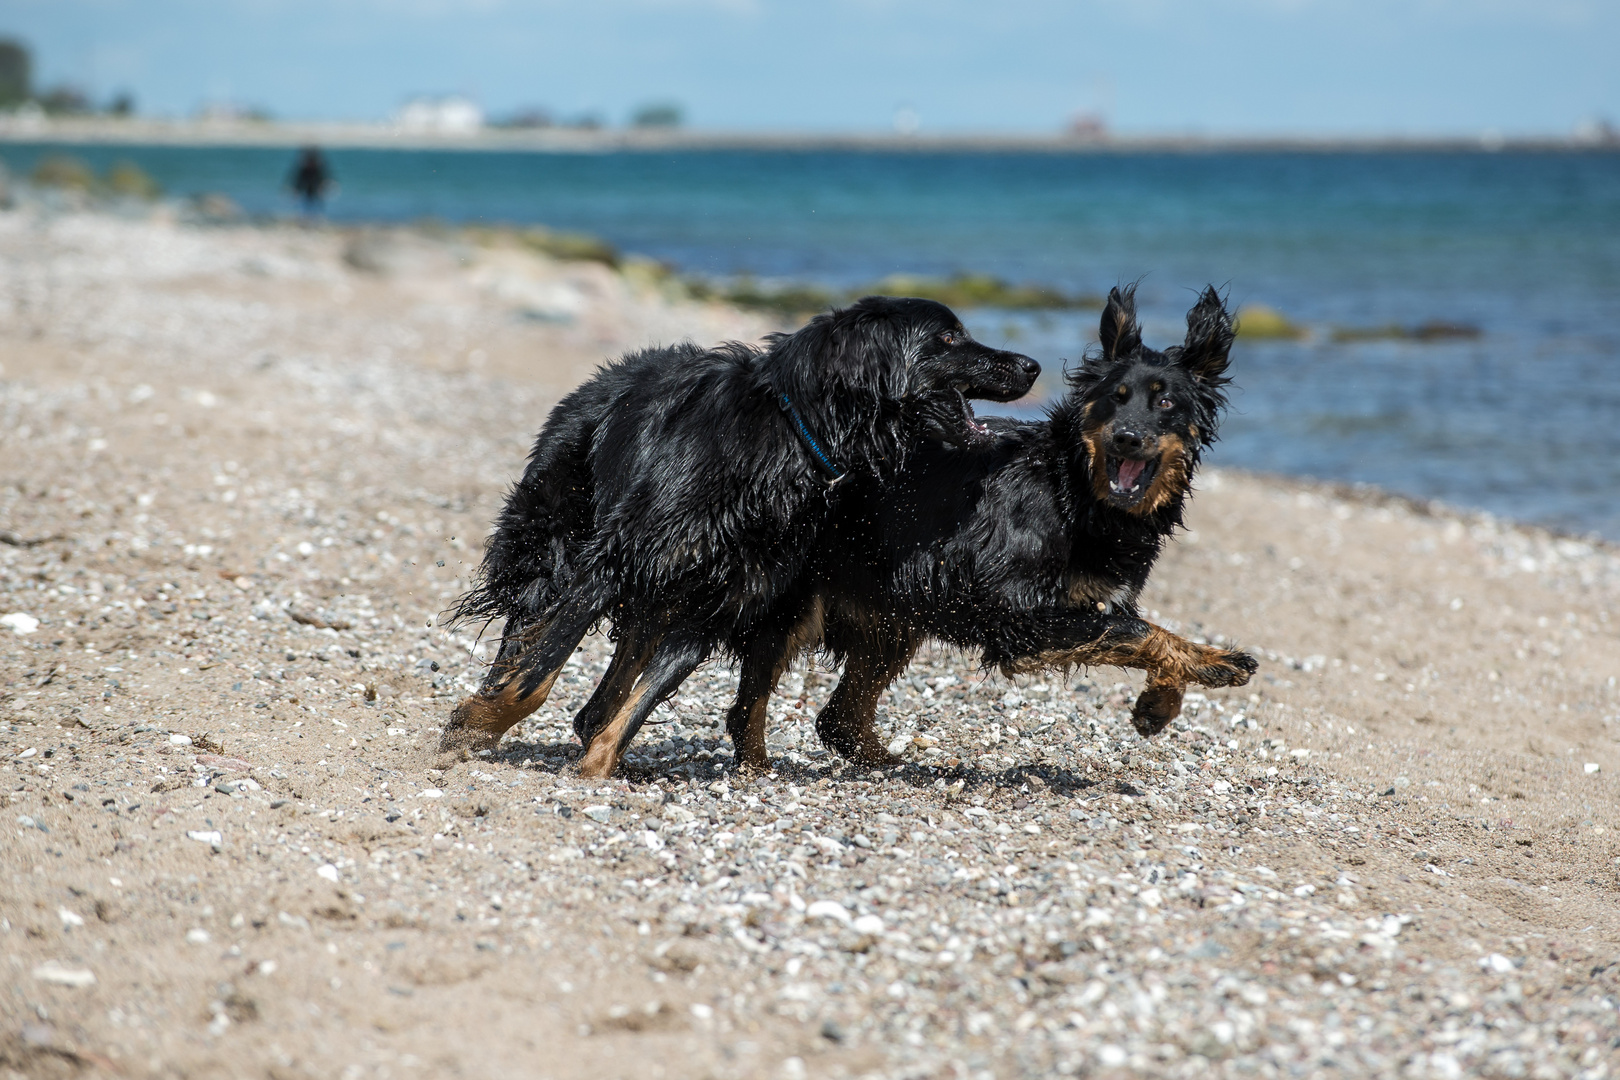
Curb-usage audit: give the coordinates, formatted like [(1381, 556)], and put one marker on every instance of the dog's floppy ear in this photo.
[(867, 348), (1209, 339), (1119, 334)]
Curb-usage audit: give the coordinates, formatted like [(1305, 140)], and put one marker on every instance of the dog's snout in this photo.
[(1029, 367), (1127, 442)]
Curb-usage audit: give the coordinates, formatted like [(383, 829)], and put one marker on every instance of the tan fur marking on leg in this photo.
[(807, 632), (602, 756), (484, 718), (751, 753), (1159, 651), (629, 661)]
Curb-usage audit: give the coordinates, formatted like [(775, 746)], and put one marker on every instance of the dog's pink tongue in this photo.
[(1128, 472)]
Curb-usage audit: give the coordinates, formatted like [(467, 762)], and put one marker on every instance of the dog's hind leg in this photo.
[(676, 657), (769, 652), (846, 722), (630, 657), (519, 684)]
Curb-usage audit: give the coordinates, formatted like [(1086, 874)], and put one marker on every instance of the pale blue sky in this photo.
[(1211, 66)]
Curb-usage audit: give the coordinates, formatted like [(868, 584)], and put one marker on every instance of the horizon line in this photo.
[(385, 135)]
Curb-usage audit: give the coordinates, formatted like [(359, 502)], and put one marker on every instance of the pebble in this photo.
[(60, 974), (19, 622), (828, 909)]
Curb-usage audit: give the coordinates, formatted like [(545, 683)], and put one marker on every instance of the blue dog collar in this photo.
[(835, 475)]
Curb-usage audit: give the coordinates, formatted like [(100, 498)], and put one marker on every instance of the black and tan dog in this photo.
[(1032, 548), (680, 493)]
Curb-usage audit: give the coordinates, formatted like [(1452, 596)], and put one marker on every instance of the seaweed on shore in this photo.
[(785, 299), (1433, 330), (124, 179), (1257, 321), (982, 291), (569, 246), (790, 300)]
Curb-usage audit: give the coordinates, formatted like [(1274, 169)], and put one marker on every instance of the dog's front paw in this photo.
[(1155, 707), (750, 765), (1225, 667), (464, 733)]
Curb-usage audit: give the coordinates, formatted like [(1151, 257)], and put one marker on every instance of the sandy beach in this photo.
[(242, 471)]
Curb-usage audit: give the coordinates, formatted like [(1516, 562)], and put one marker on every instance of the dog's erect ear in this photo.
[(1119, 334), (1209, 338)]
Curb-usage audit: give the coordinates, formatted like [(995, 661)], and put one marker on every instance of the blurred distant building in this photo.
[(1088, 127), (225, 112), (440, 116), (1597, 131)]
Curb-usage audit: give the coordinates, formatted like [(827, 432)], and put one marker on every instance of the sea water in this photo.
[(1522, 420)]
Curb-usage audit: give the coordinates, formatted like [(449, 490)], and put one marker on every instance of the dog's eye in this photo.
[(1166, 403), (1122, 393), (948, 337)]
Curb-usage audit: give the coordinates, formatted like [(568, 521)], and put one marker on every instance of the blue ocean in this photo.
[(1516, 410)]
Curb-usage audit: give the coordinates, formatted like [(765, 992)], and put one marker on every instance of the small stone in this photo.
[(430, 793), (197, 936), (1496, 963), (327, 871), (828, 909), (60, 974), (179, 740), (1592, 767), (598, 813), (19, 622), (870, 925), (212, 837)]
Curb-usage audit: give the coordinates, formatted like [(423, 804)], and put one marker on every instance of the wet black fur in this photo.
[(670, 492), (980, 546)]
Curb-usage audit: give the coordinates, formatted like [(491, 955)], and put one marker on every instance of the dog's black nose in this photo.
[(1028, 366), (1127, 442)]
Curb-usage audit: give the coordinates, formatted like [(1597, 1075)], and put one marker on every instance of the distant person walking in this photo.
[(311, 179)]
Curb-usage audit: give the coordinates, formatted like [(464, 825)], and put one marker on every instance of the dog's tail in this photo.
[(530, 556), (527, 562)]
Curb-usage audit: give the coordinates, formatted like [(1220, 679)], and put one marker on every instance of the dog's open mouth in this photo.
[(972, 426), (1129, 479), (951, 420)]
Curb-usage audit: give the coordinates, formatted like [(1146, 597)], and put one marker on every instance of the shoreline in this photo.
[(335, 135)]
